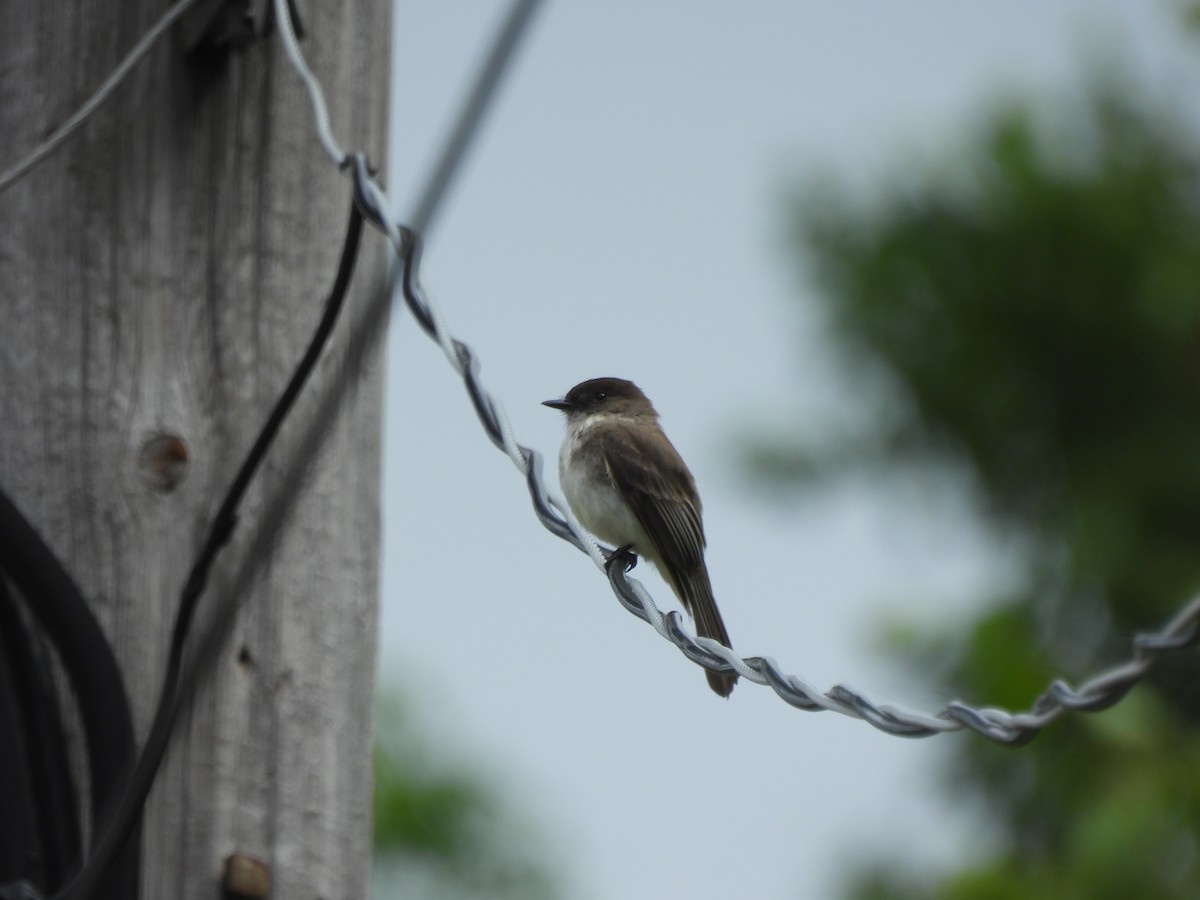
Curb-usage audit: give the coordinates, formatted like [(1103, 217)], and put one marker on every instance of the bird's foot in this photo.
[(624, 556)]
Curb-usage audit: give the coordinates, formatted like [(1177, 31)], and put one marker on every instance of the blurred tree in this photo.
[(442, 833), (1033, 313)]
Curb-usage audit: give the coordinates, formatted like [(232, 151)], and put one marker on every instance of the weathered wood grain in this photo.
[(159, 276)]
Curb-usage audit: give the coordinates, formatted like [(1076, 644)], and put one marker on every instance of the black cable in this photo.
[(107, 842), (57, 604), (23, 843), (40, 840), (173, 691)]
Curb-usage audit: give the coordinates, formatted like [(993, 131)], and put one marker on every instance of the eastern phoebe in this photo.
[(628, 485)]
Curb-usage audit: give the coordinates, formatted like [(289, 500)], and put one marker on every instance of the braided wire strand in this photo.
[(998, 725), (102, 94)]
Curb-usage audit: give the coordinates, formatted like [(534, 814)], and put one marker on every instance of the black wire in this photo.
[(452, 153), (63, 613), (59, 607), (30, 853), (40, 840), (173, 691)]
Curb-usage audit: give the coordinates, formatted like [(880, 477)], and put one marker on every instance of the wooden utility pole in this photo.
[(159, 277)]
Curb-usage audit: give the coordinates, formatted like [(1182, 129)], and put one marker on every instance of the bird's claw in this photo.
[(624, 555)]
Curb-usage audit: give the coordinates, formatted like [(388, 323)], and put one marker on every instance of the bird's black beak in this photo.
[(564, 405)]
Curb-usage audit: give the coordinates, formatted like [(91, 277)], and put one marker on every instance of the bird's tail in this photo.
[(695, 591)]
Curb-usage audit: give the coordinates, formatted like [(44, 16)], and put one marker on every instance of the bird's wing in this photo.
[(656, 484)]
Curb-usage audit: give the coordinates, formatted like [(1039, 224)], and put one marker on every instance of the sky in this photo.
[(623, 213)]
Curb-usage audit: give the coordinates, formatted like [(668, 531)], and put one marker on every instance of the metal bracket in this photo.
[(233, 24)]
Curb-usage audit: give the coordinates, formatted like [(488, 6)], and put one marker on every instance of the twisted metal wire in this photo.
[(11, 175), (1004, 727), (291, 46), (1001, 726), (1096, 694)]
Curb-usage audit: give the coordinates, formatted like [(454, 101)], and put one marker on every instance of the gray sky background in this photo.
[(623, 215)]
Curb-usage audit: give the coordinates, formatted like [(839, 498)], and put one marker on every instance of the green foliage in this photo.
[(1028, 319), (430, 815), (1037, 321), (441, 831)]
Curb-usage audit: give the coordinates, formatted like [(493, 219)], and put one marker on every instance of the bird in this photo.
[(627, 484)]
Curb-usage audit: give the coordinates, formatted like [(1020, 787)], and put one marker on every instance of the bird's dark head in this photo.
[(611, 396)]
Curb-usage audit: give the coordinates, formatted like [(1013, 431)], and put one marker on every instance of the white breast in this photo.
[(594, 499)]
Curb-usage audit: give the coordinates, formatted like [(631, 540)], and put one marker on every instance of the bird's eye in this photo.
[(599, 395)]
